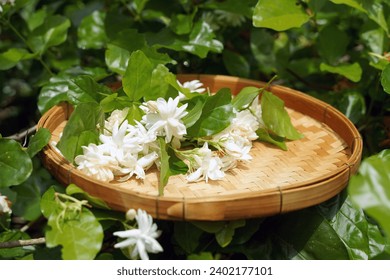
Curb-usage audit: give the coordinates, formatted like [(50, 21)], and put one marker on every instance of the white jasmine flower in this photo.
[(95, 164), (193, 86), (207, 166), (131, 214), (4, 205), (256, 110), (245, 125), (117, 116), (142, 240), (166, 121), (131, 165)]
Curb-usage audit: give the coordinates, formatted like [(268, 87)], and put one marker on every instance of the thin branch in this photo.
[(22, 135), (21, 243)]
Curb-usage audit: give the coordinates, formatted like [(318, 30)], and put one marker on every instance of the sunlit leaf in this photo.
[(13, 56), (91, 32), (276, 117), (279, 15), (352, 72)]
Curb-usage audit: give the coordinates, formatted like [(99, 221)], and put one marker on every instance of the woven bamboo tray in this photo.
[(313, 169)]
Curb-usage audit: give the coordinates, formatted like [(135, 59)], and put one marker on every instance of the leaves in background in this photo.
[(91, 33), (51, 33), (12, 57), (369, 188), (279, 15), (352, 71), (15, 163), (385, 79), (236, 64)]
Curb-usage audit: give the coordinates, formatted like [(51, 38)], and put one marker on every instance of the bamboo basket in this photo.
[(313, 169)]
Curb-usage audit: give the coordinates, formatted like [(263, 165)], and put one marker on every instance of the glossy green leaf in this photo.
[(80, 194), (369, 188), (245, 98), (51, 33), (15, 163), (332, 43), (38, 141), (236, 64), (80, 237), (385, 79), (139, 5), (13, 56), (194, 109), (265, 136), (53, 93), (352, 71), (353, 105), (279, 15), (276, 117), (135, 113), (91, 32), (84, 88), (81, 129), (216, 115), (48, 203), (159, 84), (182, 23), (136, 81), (28, 201)]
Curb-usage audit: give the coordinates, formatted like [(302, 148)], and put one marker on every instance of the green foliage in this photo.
[(70, 51)]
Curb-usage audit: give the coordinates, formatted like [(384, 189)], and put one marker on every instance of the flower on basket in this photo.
[(142, 240), (5, 205), (178, 127)]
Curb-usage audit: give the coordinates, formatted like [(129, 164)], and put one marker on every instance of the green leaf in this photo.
[(236, 64), (12, 57), (187, 236), (136, 81), (28, 201), (81, 129), (139, 5), (210, 227), (279, 15), (181, 23), (164, 166), (225, 236), (194, 109), (80, 194), (91, 32), (352, 72), (15, 163), (276, 117), (81, 237), (52, 32), (353, 105), (369, 188), (216, 115), (48, 203), (201, 256), (245, 98), (84, 88), (135, 113), (332, 43), (385, 79), (159, 84), (53, 93), (38, 141), (264, 135)]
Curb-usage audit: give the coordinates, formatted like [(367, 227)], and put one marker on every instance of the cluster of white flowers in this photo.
[(4, 2), (127, 150), (142, 240), (4, 205)]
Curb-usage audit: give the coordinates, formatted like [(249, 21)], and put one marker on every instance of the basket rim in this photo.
[(327, 114)]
